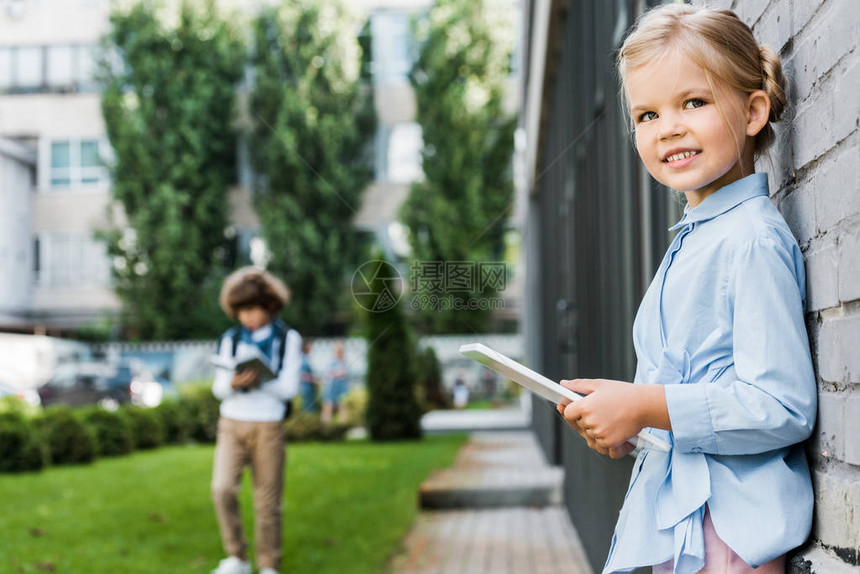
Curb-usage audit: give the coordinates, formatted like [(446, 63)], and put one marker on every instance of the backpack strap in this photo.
[(235, 337), (279, 333)]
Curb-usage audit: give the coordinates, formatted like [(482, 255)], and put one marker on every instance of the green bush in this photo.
[(309, 427), (334, 431), (355, 406), (21, 447), (176, 419), (12, 404), (69, 440), (147, 430), (111, 429), (203, 411)]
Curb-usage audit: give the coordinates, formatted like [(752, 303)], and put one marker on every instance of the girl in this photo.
[(724, 371), (251, 428)]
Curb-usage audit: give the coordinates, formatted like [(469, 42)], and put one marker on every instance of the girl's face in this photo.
[(681, 136), (252, 318)]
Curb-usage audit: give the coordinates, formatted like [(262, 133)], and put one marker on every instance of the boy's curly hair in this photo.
[(253, 287)]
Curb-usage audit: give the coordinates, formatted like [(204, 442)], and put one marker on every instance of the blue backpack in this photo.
[(279, 335)]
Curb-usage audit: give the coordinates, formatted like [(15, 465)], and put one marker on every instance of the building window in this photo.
[(60, 68), (5, 68), (28, 67), (61, 65), (70, 260), (404, 153), (76, 163), (393, 47), (398, 153)]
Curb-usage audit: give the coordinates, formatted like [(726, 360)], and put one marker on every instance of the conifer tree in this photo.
[(430, 380), (393, 412)]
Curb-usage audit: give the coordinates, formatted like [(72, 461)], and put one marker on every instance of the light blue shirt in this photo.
[(722, 327)]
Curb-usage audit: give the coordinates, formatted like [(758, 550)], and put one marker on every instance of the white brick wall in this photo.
[(815, 177), (837, 520)]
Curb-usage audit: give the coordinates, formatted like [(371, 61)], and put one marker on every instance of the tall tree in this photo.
[(311, 146), (168, 105), (460, 210)]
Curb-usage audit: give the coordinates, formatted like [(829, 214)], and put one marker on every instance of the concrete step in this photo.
[(492, 489), (495, 470), (507, 419)]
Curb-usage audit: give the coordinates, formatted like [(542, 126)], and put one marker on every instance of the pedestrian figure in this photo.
[(338, 385), (251, 429), (461, 391), (724, 370), (308, 385)]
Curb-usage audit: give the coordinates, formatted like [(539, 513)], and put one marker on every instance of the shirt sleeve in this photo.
[(286, 386), (771, 400), (223, 377)]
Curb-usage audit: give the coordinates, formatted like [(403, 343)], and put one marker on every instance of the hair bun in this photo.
[(774, 82)]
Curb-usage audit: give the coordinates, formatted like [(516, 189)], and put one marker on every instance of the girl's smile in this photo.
[(679, 157)]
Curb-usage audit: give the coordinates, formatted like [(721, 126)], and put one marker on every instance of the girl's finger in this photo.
[(581, 386), (621, 450), (571, 412)]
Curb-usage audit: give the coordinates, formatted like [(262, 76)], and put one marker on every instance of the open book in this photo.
[(250, 357), (540, 385)]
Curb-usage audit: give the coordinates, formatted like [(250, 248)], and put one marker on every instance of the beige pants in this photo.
[(720, 559), (262, 447)]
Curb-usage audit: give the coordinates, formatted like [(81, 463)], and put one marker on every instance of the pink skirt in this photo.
[(720, 559)]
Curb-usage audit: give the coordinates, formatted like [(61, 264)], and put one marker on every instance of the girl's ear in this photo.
[(758, 112)]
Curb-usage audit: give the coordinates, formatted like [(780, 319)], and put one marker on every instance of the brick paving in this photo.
[(496, 533)]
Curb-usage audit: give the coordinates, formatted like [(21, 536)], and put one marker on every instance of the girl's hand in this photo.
[(609, 414), (245, 379), (615, 452)]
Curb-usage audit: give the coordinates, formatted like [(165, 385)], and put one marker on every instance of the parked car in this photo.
[(88, 383), (107, 384)]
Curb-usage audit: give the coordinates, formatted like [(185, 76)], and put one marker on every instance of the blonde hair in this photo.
[(252, 287), (717, 41)]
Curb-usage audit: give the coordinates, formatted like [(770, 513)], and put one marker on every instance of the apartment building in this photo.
[(49, 106)]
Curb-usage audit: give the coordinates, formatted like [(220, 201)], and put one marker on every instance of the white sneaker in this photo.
[(232, 565), (268, 571)]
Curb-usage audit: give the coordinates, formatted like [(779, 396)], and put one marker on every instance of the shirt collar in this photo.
[(724, 199), (262, 333)]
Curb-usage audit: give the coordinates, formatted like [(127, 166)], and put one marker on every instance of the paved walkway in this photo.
[(496, 511)]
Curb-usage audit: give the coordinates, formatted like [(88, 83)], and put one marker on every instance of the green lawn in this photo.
[(348, 505)]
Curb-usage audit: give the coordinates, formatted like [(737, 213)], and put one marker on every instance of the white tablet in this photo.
[(537, 383), (520, 374)]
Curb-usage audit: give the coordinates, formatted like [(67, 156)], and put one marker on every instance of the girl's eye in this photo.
[(647, 117), (694, 103)]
